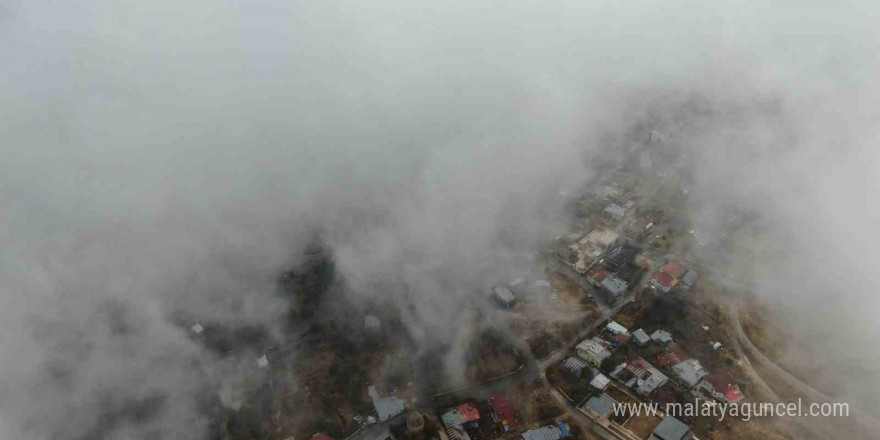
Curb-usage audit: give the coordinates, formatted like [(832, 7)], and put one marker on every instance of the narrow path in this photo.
[(790, 379), (866, 420)]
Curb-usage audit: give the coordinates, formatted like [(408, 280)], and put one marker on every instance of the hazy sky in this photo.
[(165, 156)]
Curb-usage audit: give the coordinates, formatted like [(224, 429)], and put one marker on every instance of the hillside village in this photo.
[(617, 308), (642, 329)]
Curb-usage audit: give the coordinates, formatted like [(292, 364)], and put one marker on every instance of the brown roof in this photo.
[(674, 268), (638, 366), (673, 355), (721, 381), (599, 274)]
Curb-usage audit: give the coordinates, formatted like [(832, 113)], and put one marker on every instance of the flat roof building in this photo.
[(671, 429), (616, 328), (386, 407), (621, 253), (614, 287), (594, 350), (602, 405), (689, 372)]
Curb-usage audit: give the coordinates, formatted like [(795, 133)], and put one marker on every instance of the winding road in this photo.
[(867, 421)]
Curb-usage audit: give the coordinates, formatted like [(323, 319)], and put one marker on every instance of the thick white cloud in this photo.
[(165, 156)]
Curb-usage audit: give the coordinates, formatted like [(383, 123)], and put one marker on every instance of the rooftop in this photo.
[(690, 371), (504, 294), (670, 429), (615, 211), (673, 355), (468, 412), (661, 336), (616, 328), (549, 432), (641, 337), (372, 322), (501, 410), (595, 347), (602, 404), (600, 381), (663, 279), (724, 383), (622, 252), (614, 285), (674, 269), (599, 237), (649, 378), (690, 278), (599, 274), (733, 394), (385, 406), (460, 415), (575, 365)]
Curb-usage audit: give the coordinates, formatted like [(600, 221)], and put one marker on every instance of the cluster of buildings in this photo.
[(599, 255), (673, 275), (596, 349), (645, 379), (463, 422), (640, 376), (591, 247), (601, 408), (608, 253), (690, 374), (459, 420)]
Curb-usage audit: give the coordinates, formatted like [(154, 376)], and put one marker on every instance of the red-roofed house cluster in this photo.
[(673, 274), (722, 387), (502, 413)]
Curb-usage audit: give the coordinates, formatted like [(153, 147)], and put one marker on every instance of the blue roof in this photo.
[(564, 428), (614, 285), (386, 407), (602, 404)]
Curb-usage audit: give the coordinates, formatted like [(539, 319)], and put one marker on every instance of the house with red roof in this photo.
[(721, 387), (459, 419), (674, 269), (662, 281), (668, 276), (321, 436), (468, 413), (673, 355), (502, 413), (596, 276)]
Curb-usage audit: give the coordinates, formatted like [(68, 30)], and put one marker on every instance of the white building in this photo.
[(616, 328)]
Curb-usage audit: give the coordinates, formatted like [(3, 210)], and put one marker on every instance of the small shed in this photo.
[(503, 296)]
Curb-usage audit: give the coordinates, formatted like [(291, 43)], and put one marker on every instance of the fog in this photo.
[(166, 157)]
